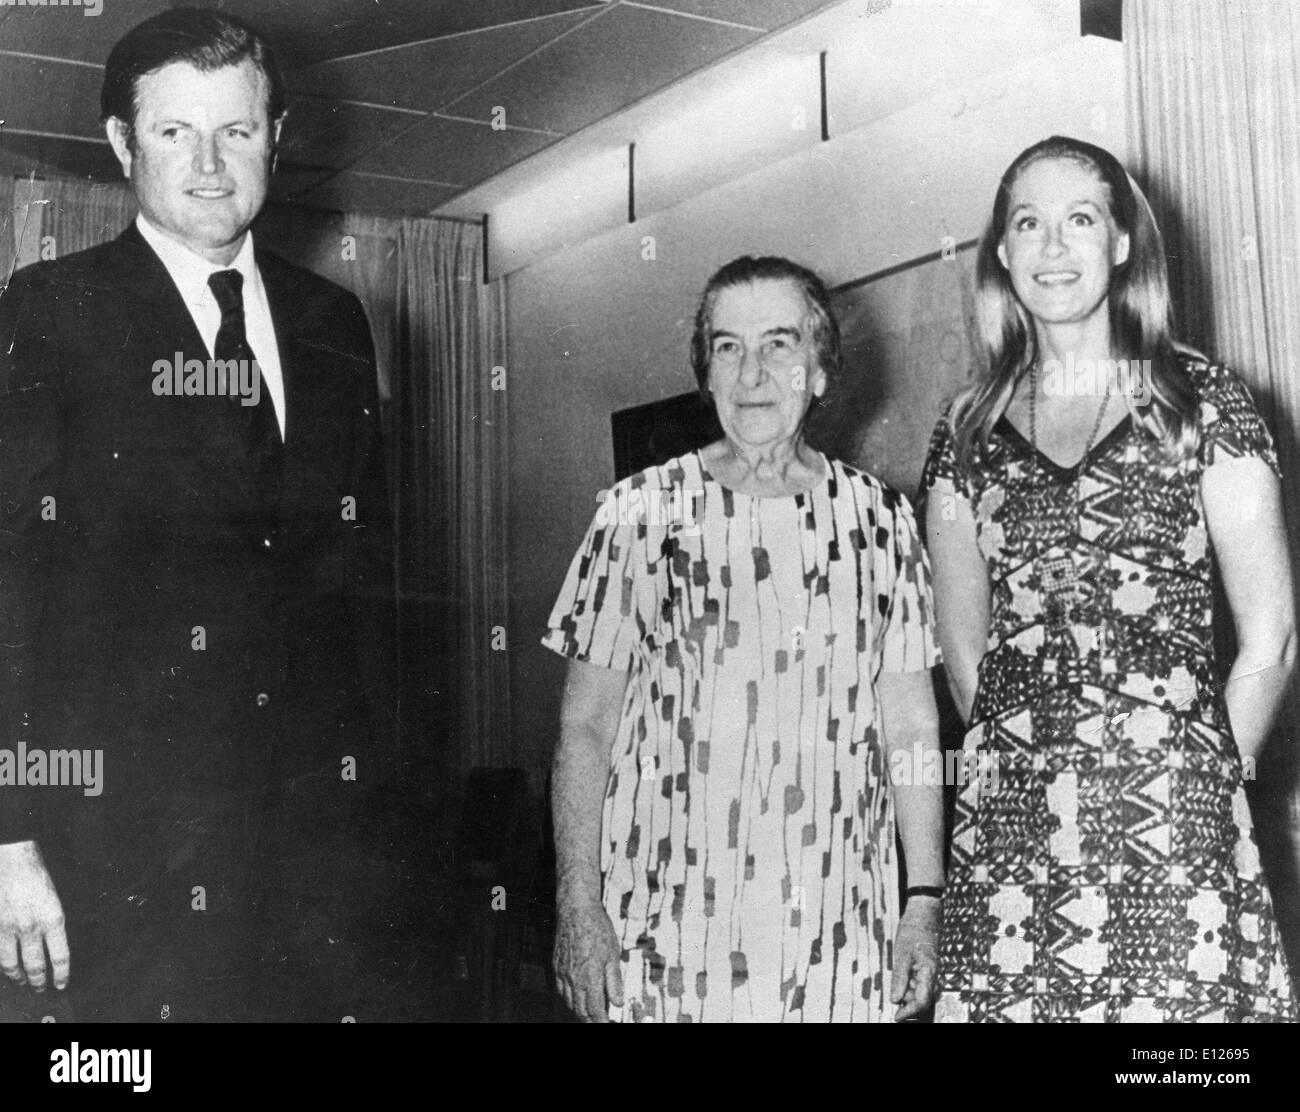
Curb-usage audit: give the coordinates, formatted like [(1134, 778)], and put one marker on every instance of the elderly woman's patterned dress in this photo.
[(1112, 874), (747, 836)]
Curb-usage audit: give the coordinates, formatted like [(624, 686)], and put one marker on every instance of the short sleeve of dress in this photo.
[(595, 618), (904, 593), (941, 462), (1231, 426)]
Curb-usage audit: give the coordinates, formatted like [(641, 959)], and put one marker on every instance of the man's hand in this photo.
[(31, 920), (586, 961), (916, 957)]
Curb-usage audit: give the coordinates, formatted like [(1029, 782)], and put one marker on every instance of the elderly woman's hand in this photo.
[(916, 957), (586, 961)]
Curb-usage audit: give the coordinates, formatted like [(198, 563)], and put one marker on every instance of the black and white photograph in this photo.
[(540, 512)]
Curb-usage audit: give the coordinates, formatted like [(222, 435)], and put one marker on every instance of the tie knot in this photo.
[(227, 287)]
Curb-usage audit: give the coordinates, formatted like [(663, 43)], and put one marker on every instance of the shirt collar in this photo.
[(190, 271)]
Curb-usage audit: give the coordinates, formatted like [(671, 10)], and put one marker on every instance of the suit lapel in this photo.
[(140, 274), (311, 385), (286, 317), (167, 327)]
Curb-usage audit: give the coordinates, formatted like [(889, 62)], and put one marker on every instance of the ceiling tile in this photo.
[(359, 193), (603, 66), (917, 53), (302, 34), (453, 151), (309, 33), (566, 63), (50, 96), (323, 133), (429, 75), (767, 14), (70, 32), (289, 182)]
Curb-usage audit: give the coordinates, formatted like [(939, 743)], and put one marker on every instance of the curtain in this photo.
[(1214, 131), (19, 241), (55, 217), (452, 439), (82, 214), (374, 281)]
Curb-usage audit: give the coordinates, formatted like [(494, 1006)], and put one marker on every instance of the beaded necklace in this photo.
[(1060, 589)]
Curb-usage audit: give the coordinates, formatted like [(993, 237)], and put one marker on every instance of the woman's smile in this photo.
[(1053, 278)]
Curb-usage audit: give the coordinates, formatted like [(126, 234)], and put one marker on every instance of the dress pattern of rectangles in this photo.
[(747, 837)]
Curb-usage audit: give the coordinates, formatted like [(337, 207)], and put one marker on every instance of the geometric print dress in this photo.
[(747, 835), (1109, 872)]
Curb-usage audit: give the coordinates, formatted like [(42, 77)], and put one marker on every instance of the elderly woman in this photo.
[(1109, 872), (740, 673)]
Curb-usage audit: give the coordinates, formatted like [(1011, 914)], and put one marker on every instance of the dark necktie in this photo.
[(261, 430)]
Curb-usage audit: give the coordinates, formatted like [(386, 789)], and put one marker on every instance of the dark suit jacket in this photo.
[(159, 526)]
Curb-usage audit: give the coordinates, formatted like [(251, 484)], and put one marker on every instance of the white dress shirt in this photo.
[(190, 272)]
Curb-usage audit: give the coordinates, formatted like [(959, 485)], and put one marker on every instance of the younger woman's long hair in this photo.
[(1140, 314)]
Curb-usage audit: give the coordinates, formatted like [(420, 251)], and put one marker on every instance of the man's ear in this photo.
[(276, 126), (119, 138)]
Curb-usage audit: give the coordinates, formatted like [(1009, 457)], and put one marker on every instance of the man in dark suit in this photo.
[(195, 576)]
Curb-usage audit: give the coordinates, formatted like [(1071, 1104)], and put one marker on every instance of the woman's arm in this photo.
[(586, 948), (1243, 509), (593, 701), (961, 590), (911, 725), (911, 731)]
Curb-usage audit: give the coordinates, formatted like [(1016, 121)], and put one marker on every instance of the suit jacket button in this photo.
[(263, 698)]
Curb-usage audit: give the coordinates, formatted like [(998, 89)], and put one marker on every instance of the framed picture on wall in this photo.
[(648, 435)]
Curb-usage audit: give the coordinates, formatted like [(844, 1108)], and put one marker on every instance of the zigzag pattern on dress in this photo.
[(1110, 874)]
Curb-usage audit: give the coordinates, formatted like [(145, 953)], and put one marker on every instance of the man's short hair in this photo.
[(205, 39)]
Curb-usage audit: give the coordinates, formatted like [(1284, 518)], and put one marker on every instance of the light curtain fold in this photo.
[(82, 214), (1214, 132), (374, 281), (451, 422), (9, 215)]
